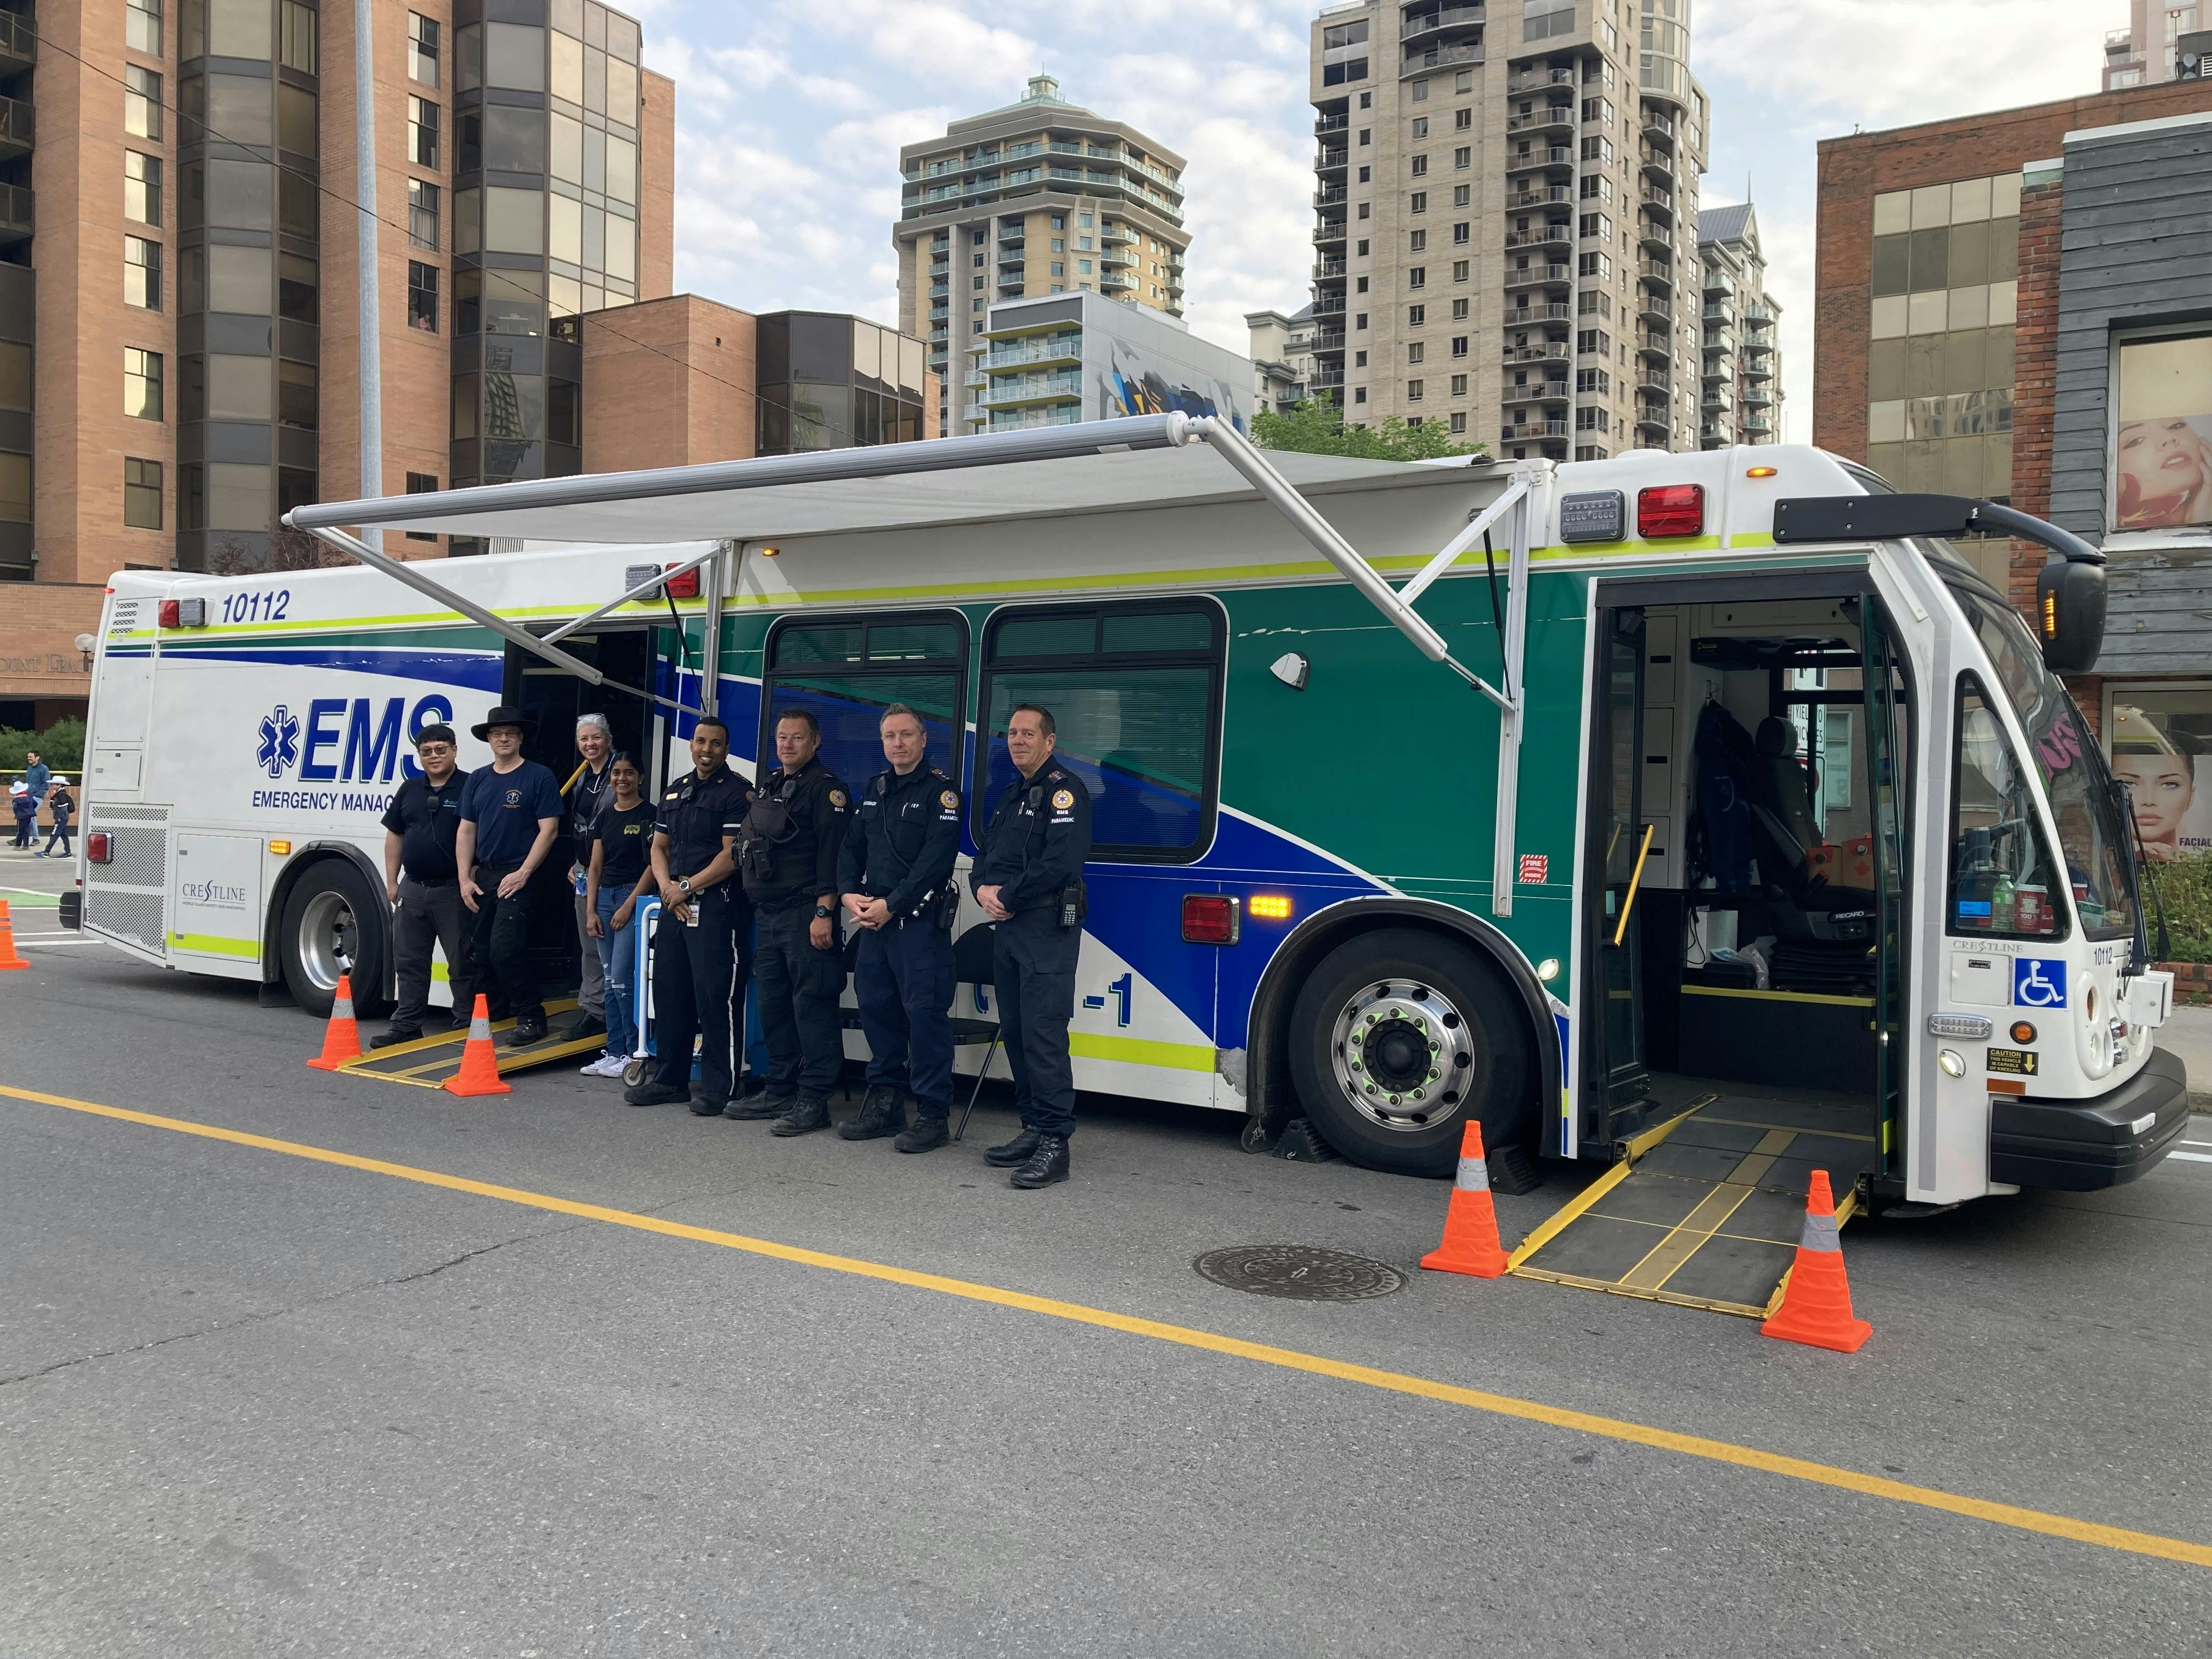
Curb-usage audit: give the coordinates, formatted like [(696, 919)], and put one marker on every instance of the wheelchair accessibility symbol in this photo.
[(2038, 983)]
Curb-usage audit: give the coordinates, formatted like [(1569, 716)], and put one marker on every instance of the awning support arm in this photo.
[(1459, 544), (640, 591), (412, 575)]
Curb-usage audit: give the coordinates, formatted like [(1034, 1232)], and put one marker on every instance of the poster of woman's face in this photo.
[(2159, 749), (2162, 473)]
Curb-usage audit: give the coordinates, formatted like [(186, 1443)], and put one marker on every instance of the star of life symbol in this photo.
[(280, 742)]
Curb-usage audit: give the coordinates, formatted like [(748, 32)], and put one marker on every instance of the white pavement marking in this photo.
[(49, 943), (2192, 1157)]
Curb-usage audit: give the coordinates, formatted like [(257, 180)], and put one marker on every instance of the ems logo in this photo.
[(280, 742), (837, 798), (1062, 799), (949, 800), (514, 797)]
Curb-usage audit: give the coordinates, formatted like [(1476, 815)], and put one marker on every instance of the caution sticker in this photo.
[(2014, 1062), (1062, 799)]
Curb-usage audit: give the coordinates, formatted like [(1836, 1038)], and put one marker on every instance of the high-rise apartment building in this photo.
[(1282, 356), (1505, 221), (1042, 197), (1741, 402), (2151, 49), (1053, 360)]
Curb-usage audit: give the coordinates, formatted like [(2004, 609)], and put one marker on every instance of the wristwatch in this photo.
[(684, 882), (822, 910)]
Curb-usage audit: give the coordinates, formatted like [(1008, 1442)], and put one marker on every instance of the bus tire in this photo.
[(1397, 1036), (331, 921)]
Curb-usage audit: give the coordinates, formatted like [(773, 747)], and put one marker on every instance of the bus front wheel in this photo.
[(1397, 1037), (332, 924)]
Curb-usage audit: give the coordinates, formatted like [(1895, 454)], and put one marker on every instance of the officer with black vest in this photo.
[(1029, 879), (698, 968), (786, 853), (896, 874)]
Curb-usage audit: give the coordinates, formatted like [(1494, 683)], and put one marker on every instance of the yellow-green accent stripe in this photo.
[(1143, 1051), (212, 945)]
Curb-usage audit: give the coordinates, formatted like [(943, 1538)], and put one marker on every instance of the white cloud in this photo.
[(927, 36)]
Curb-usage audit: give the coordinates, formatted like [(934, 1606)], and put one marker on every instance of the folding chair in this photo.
[(971, 965)]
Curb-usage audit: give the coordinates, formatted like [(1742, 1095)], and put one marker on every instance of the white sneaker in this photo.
[(608, 1065)]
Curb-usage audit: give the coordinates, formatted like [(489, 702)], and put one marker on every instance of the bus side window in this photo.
[(1135, 692), (2003, 883), (848, 670)]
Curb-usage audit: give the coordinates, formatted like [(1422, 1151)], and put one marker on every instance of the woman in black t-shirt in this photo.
[(618, 876)]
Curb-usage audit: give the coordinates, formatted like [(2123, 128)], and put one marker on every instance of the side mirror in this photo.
[(2070, 614)]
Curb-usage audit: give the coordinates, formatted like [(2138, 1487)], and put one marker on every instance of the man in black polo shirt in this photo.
[(510, 818), (424, 885)]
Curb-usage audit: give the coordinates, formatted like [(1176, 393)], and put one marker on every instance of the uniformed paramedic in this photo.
[(1029, 879), (510, 817), (787, 856), (896, 875), (698, 968), (422, 884)]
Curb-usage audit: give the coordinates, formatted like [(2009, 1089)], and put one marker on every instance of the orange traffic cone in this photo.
[(341, 1037), (9, 956), (1816, 1309), (1470, 1242), (479, 1072)]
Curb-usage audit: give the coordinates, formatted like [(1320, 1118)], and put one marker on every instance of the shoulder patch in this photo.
[(948, 800), (837, 798), (1062, 799)]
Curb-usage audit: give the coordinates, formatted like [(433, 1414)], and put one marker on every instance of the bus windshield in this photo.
[(2091, 836)]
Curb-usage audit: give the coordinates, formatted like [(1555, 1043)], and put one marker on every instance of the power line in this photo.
[(315, 179)]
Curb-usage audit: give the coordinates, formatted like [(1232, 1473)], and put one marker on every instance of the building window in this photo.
[(141, 27), (1462, 119), (1359, 359), (1420, 126), (142, 383), (1415, 315), (1463, 233), (1417, 276), (295, 395), (142, 273), (1459, 386), (1459, 271), (142, 102), (422, 132), (1458, 420), (141, 187), (142, 494), (2162, 440), (1358, 320), (298, 41), (422, 483), (1459, 345), (1419, 167), (1359, 394), (422, 296), (1361, 210), (1459, 311), (422, 214), (1361, 248), (1416, 350), (15, 487), (1420, 92), (1420, 242), (1420, 202), (423, 68), (1413, 391), (1059, 267)]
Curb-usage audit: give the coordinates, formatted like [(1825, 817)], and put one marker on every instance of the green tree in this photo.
[(1315, 427), (62, 744)]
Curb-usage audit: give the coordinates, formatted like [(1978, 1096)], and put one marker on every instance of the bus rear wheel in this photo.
[(1399, 1036), (332, 924)]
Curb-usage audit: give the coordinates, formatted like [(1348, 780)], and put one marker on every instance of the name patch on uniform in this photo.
[(1062, 799)]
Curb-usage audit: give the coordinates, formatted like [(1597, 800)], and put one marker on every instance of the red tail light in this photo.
[(1210, 919), (99, 847), (167, 614), (685, 587), (1670, 510)]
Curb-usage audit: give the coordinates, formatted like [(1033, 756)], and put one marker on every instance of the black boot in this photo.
[(1013, 1152), (883, 1112), (810, 1112), (771, 1101), (653, 1093), (930, 1131), (1047, 1164)]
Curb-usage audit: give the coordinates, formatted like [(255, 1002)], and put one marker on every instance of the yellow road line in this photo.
[(1500, 1405)]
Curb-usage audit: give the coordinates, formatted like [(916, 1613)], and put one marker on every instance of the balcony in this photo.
[(1714, 437), (1718, 398), (1328, 231), (1655, 422), (1657, 163), (975, 377), (1440, 58), (1717, 368), (14, 127), (1547, 392), (1652, 308), (1331, 161), (1658, 197), (1721, 312), (1328, 196), (1659, 127), (1547, 196), (1757, 427), (1759, 365), (1656, 271), (1533, 431), (1758, 311), (15, 224), (1554, 115), (1551, 351), (1538, 80), (1329, 339), (1328, 124), (1064, 349), (1534, 276), (1439, 20), (1019, 389), (1657, 380), (1556, 156), (1068, 415), (1325, 270), (1112, 282), (1655, 232), (19, 43), (1559, 236), (1651, 343), (1757, 396), (1327, 374), (1555, 311)]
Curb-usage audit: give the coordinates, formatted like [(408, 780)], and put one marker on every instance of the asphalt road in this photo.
[(253, 1403)]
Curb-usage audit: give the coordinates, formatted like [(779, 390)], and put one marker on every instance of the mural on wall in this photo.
[(1126, 388), (2159, 739)]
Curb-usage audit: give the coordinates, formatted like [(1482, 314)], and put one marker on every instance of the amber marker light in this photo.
[(280, 848), (1273, 907), (1759, 471)]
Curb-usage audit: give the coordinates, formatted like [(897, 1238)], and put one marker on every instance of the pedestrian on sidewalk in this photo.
[(36, 776), (27, 813), (59, 804), (616, 879)]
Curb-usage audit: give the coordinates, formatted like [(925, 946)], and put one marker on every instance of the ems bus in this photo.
[(1577, 798)]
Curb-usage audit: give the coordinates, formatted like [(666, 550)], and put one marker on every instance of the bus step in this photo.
[(1705, 1211)]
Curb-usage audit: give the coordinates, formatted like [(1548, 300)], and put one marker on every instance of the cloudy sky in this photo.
[(790, 114)]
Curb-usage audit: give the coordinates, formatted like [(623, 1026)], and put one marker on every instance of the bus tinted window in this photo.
[(797, 644), (874, 665), (1136, 720), (2002, 881)]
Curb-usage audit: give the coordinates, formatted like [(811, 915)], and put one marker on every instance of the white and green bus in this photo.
[(1653, 811)]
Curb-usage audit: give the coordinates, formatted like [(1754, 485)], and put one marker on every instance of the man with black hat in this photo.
[(422, 884), (510, 818)]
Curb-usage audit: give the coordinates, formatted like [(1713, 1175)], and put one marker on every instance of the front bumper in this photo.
[(2080, 1145)]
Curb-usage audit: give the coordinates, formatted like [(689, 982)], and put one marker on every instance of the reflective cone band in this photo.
[(9, 956), (1816, 1306), (1470, 1242), (341, 1037), (479, 1072)]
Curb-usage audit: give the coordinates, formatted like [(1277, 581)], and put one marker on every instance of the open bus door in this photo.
[(1615, 936)]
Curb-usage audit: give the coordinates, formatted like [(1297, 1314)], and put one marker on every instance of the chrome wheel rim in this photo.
[(1401, 1055), (328, 942)]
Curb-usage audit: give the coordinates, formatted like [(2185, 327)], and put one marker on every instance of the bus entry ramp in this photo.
[(428, 1061), (1706, 1210)]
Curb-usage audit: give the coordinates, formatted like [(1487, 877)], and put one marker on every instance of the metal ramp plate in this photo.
[(1706, 1210), (427, 1062)]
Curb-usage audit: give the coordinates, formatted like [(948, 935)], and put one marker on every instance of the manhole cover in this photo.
[(1302, 1272)]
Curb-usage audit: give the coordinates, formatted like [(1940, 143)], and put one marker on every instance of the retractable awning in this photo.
[(1145, 460)]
